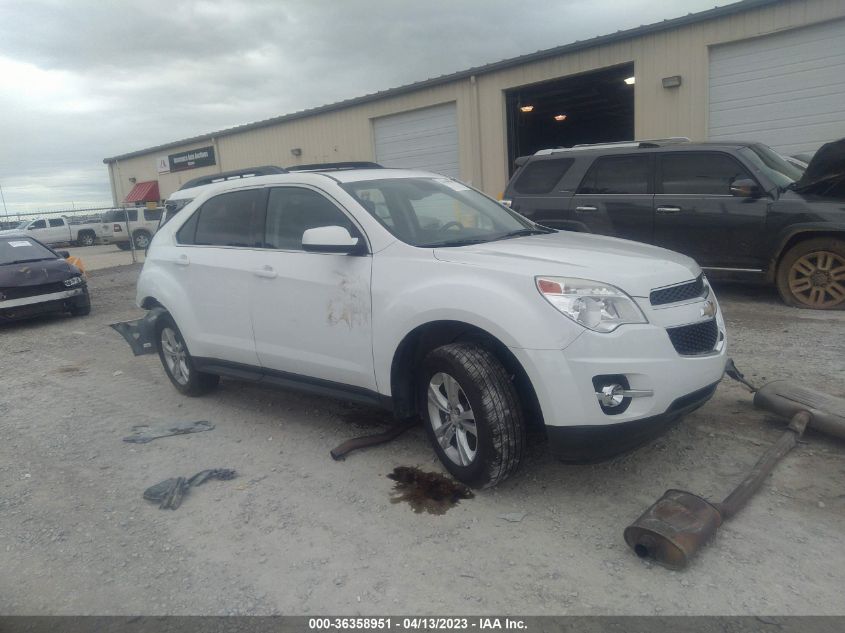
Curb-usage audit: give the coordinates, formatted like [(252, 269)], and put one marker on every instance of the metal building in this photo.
[(765, 70)]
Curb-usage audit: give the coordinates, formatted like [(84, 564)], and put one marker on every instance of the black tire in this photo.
[(124, 246), (184, 375), (79, 311), (142, 240), (485, 387), (811, 274), (86, 238)]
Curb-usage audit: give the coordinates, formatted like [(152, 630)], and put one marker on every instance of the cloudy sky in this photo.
[(84, 79)]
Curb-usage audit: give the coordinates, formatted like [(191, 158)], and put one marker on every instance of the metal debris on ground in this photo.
[(513, 517), (429, 492), (366, 441), (143, 433), (169, 493), (680, 523)]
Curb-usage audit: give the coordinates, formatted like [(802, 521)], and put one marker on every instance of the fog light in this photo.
[(614, 393), (611, 396)]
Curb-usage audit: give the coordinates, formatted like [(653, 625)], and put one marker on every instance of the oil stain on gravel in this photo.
[(426, 492)]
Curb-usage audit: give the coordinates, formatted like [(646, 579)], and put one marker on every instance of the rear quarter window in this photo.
[(541, 176), (618, 175)]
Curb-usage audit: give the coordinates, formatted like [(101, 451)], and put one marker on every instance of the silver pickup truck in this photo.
[(58, 231)]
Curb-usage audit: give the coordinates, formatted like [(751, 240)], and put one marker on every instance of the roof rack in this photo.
[(644, 143), (249, 172), (335, 166)]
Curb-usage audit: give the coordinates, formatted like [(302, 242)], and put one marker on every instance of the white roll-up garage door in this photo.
[(419, 139), (786, 90)]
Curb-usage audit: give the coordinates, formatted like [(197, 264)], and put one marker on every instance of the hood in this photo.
[(826, 170), (35, 273), (633, 267), (12, 232)]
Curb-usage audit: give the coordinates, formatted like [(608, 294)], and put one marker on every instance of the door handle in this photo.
[(668, 210), (266, 272), (586, 209), (182, 260)]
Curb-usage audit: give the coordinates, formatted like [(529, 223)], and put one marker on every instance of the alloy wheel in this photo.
[(452, 419), (175, 356), (817, 279)]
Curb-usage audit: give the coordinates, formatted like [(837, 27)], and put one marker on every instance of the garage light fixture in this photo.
[(526, 108), (671, 82), (631, 81), (560, 117)]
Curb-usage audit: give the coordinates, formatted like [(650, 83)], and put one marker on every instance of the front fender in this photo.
[(141, 333)]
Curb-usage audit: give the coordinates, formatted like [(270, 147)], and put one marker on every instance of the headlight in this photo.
[(73, 281), (593, 304)]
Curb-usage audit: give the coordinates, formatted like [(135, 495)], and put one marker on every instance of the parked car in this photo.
[(35, 279), (739, 209), (58, 231), (415, 292), (142, 225)]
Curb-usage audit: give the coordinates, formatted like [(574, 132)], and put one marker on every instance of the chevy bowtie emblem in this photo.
[(708, 309)]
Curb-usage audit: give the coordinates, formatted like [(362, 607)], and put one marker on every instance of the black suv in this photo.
[(739, 209)]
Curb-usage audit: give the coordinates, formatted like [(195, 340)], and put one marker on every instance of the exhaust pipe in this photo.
[(680, 523)]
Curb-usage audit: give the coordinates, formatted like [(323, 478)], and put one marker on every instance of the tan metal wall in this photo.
[(346, 134)]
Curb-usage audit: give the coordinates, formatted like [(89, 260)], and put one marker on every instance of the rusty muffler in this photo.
[(673, 530)]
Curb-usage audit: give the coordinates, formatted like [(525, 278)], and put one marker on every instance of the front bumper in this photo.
[(586, 444), (563, 380), (57, 302)]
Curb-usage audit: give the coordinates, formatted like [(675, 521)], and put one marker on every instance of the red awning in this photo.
[(144, 192)]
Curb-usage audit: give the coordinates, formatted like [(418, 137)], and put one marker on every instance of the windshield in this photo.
[(772, 164), (15, 250), (431, 212), (22, 225)]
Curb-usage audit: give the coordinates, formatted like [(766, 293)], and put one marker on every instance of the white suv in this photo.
[(415, 292)]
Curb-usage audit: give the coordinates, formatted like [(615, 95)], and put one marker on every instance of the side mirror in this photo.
[(331, 239), (745, 188), (63, 254)]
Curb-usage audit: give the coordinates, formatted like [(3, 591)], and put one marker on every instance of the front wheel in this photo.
[(472, 414), (177, 361), (812, 274), (86, 238)]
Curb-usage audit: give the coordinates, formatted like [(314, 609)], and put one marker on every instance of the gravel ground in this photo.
[(298, 533)]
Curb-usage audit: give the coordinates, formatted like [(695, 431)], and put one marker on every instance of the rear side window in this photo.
[(703, 173), (56, 222), (541, 176), (293, 210), (230, 219), (617, 174), (153, 215)]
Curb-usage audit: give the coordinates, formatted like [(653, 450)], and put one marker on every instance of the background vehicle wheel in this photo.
[(812, 274), (177, 361), (471, 413), (142, 240), (86, 238), (124, 246)]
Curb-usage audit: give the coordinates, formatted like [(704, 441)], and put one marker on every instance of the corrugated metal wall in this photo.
[(347, 134)]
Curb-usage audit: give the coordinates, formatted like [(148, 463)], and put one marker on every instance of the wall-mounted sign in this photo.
[(163, 164), (202, 157)]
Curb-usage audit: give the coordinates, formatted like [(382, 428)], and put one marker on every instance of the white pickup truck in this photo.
[(58, 231)]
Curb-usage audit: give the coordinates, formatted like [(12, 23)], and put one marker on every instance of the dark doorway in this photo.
[(594, 107)]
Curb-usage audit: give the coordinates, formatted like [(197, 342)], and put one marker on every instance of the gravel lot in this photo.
[(298, 533)]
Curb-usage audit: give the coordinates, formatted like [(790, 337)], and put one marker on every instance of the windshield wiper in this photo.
[(29, 261), (523, 232), (465, 242)]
